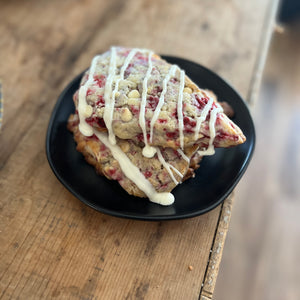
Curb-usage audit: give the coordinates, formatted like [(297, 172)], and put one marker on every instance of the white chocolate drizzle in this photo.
[(84, 127), (148, 151), (203, 116), (168, 166), (183, 155), (109, 101), (179, 109), (175, 170), (212, 131), (133, 173), (161, 101)]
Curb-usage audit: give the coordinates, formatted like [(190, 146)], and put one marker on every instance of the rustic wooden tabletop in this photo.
[(52, 245)]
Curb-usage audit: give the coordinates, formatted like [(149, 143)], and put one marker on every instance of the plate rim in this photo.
[(128, 215)]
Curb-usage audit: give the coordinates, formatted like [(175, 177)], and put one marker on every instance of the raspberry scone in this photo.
[(133, 97), (134, 94), (157, 175)]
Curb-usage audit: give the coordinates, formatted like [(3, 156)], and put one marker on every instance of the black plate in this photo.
[(215, 179)]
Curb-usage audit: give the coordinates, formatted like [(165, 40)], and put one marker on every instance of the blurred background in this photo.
[(261, 258)]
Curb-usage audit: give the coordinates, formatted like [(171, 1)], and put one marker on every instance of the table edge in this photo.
[(212, 269)]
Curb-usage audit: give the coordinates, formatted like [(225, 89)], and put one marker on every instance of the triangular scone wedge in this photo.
[(97, 154), (134, 94)]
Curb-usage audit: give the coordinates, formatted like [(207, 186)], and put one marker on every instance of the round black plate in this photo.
[(215, 179)]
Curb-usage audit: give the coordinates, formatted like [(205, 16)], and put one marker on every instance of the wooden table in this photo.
[(52, 245)]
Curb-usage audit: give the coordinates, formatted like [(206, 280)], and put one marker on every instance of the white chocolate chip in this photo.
[(186, 97), (124, 146), (134, 94), (124, 84), (134, 79), (126, 115), (100, 112), (133, 101), (164, 115), (187, 90), (88, 111)]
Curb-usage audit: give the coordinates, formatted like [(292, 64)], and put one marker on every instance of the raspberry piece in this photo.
[(128, 70), (100, 80), (172, 135), (92, 120), (189, 124), (140, 137), (162, 121), (148, 174), (201, 102), (115, 174), (134, 109), (89, 92), (175, 114), (188, 121), (141, 57), (101, 122), (100, 102), (153, 101), (156, 90)]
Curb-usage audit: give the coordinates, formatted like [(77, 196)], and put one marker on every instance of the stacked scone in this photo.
[(143, 122)]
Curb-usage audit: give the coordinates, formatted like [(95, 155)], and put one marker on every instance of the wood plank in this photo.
[(1, 105), (51, 245), (217, 248)]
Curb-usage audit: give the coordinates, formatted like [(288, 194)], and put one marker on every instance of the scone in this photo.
[(163, 171), (138, 115), (133, 93)]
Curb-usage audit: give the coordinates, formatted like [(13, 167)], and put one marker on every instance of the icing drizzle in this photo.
[(148, 151), (212, 131), (183, 155), (179, 109), (168, 166), (84, 127), (203, 116), (110, 101)]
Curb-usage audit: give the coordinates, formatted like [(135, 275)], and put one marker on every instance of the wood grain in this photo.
[(212, 270), (51, 245)]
